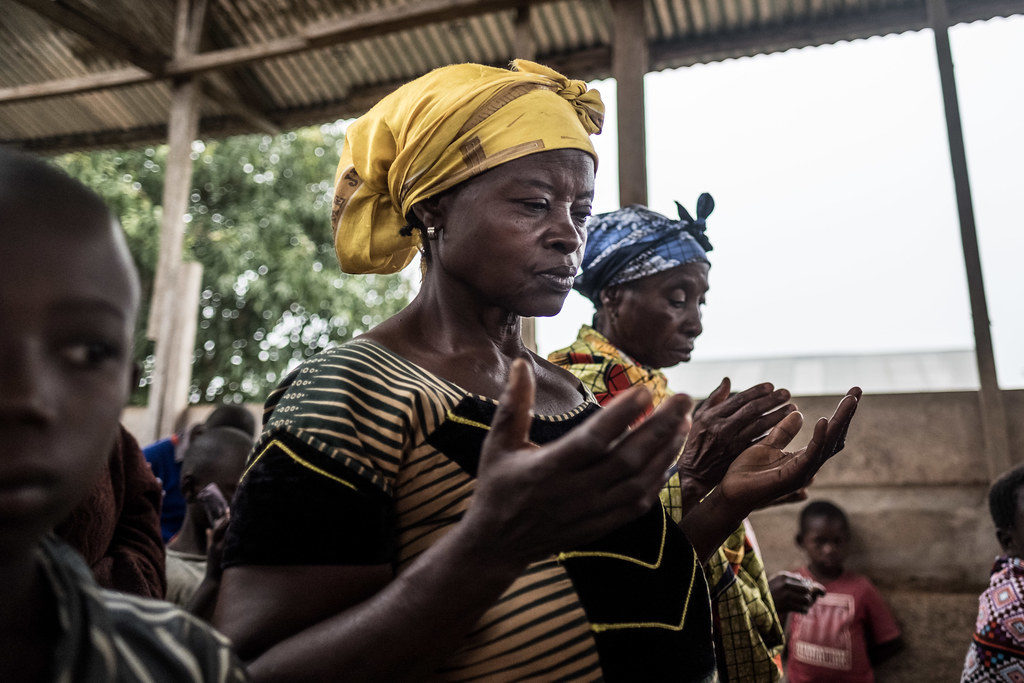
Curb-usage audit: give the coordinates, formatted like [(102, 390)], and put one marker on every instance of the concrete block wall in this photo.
[(914, 482)]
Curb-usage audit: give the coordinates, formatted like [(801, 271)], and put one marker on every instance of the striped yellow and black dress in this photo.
[(367, 458)]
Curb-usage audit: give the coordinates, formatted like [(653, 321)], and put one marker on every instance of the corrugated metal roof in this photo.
[(45, 41)]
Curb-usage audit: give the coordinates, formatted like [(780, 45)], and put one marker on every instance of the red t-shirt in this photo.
[(830, 642)]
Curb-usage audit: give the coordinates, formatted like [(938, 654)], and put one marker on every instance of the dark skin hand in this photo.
[(764, 472), (793, 593), (205, 598), (723, 427), (530, 501)]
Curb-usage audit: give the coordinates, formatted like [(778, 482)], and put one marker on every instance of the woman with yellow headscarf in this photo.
[(396, 518)]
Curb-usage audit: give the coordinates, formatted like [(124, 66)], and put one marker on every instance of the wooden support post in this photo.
[(525, 42), (182, 339), (629, 64), (184, 119), (993, 413), (169, 311)]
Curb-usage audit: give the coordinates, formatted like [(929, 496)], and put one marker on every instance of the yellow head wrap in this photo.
[(437, 131)]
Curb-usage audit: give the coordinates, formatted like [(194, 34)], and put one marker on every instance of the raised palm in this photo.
[(764, 471)]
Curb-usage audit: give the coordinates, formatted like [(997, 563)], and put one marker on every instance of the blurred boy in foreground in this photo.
[(68, 300)]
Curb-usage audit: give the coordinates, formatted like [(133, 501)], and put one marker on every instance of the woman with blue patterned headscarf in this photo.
[(647, 276)]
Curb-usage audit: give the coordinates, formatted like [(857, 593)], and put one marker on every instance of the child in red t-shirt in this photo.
[(850, 628)]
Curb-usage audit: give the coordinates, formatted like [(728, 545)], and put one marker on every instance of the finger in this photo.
[(591, 440), (785, 431), (510, 428), (655, 443), (763, 424), (813, 455), (744, 397), (719, 394), (840, 424)]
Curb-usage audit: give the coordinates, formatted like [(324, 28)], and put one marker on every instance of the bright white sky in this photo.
[(836, 227)]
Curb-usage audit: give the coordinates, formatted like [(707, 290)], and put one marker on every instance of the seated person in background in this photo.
[(164, 457), (997, 650), (214, 456), (850, 628), (68, 300), (116, 527)]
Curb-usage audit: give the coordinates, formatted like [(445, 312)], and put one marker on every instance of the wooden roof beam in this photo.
[(78, 20), (149, 63), (356, 26), (76, 85)]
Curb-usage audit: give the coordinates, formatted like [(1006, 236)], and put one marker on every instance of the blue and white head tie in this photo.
[(635, 242)]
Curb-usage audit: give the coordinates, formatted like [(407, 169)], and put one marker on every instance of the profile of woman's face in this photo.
[(656, 319), (513, 237)]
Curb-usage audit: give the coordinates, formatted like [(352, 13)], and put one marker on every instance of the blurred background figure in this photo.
[(165, 456), (647, 276), (210, 472), (997, 649), (850, 629)]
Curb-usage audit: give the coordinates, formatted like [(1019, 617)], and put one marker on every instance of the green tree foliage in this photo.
[(258, 222)]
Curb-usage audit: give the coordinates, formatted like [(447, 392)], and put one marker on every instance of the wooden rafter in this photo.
[(356, 26), (150, 64)]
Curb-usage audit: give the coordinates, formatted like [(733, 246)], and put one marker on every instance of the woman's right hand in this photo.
[(532, 501)]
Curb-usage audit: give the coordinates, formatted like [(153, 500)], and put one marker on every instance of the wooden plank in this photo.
[(96, 31), (182, 343), (995, 429), (75, 85), (171, 364), (629, 64), (356, 26)]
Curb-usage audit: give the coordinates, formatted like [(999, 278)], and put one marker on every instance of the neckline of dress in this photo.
[(586, 396)]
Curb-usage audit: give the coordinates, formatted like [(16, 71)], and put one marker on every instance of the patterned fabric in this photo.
[(108, 636), (748, 633), (367, 458), (607, 371), (997, 648), (437, 131), (832, 642), (635, 242)]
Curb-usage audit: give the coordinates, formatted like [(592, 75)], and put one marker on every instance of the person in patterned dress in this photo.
[(996, 652), (397, 519), (647, 276)]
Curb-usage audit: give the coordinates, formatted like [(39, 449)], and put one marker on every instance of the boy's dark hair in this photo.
[(212, 444), (1002, 497), (822, 508), (231, 415)]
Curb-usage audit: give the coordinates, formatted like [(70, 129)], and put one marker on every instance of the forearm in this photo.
[(691, 492), (406, 629), (204, 599), (711, 522)]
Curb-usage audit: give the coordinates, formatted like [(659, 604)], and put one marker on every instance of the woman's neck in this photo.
[(192, 537), (452, 322)]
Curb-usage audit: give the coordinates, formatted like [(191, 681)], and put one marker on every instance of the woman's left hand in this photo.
[(765, 472), (724, 426)]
